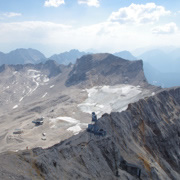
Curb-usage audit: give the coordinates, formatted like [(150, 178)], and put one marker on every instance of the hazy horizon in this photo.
[(55, 26)]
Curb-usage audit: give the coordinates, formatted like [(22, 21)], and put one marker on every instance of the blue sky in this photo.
[(54, 26)]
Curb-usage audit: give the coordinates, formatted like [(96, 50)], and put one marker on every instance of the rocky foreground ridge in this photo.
[(147, 134)]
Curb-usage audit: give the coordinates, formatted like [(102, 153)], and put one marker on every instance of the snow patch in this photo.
[(66, 119), (76, 125), (37, 78), (51, 86), (75, 129), (153, 93), (33, 70), (15, 106), (105, 99), (44, 95), (34, 74), (45, 79), (21, 99)]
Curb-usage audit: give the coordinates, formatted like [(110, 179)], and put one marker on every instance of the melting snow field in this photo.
[(105, 99), (75, 124), (67, 119)]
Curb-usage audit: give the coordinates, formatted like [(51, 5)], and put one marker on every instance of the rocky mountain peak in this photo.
[(104, 68), (53, 67), (22, 56), (67, 57)]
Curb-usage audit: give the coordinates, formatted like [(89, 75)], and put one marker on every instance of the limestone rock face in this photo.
[(106, 69), (147, 135)]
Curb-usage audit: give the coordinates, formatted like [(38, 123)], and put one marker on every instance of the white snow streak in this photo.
[(15, 106), (21, 99), (44, 95), (37, 78)]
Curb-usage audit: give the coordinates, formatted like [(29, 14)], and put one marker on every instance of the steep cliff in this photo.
[(106, 69)]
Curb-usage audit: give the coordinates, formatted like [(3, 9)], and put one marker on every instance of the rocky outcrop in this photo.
[(106, 69), (147, 134)]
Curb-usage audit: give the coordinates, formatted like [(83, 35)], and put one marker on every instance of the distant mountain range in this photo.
[(67, 57), (162, 79), (33, 56), (125, 55), (163, 62), (22, 56), (160, 68)]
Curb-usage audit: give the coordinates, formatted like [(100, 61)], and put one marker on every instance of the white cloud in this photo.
[(170, 28), (10, 14), (54, 3), (139, 13), (31, 31), (33, 25), (104, 37), (90, 2)]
